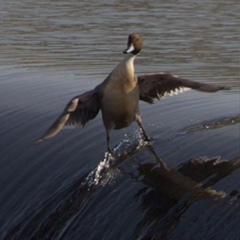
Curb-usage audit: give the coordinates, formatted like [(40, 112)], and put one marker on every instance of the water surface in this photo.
[(65, 188)]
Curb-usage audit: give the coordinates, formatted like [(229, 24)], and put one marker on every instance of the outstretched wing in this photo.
[(158, 85), (78, 111)]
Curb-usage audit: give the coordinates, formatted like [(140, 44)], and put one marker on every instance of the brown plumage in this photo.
[(118, 95)]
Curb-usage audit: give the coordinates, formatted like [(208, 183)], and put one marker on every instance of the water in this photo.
[(67, 188)]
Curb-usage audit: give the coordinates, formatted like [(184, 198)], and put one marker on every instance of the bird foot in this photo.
[(158, 159), (148, 140), (110, 153)]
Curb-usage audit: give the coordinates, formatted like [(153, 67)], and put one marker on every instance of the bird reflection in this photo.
[(169, 193)]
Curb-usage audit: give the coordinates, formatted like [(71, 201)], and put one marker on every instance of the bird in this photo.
[(118, 96)]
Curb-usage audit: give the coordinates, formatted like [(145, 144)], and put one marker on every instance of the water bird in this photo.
[(118, 96)]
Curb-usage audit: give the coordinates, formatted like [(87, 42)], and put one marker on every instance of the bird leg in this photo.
[(147, 138), (144, 133), (109, 150)]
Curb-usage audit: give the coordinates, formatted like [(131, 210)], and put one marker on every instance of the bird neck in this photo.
[(128, 63), (125, 69)]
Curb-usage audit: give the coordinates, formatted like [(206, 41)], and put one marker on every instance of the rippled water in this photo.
[(67, 188)]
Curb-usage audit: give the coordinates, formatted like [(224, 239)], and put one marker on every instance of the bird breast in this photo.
[(119, 105)]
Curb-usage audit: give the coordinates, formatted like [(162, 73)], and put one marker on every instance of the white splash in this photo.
[(106, 169)]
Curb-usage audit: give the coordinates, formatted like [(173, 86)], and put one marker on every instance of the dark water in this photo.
[(65, 188)]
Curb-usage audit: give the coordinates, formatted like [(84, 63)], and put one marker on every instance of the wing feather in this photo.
[(78, 111), (158, 85)]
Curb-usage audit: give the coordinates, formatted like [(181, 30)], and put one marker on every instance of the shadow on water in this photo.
[(167, 194), (170, 193)]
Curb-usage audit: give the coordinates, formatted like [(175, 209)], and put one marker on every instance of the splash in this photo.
[(107, 168)]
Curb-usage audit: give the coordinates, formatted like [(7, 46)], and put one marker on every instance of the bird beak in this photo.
[(129, 49)]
